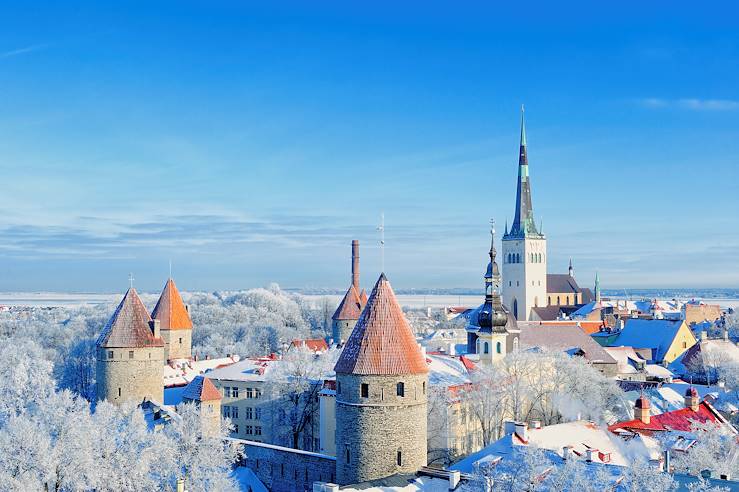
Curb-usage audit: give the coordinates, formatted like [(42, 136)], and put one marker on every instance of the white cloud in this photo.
[(693, 104), (22, 51)]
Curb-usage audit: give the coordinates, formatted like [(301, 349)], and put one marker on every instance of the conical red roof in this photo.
[(382, 342), (129, 326), (350, 307), (170, 310), (201, 389), (363, 298)]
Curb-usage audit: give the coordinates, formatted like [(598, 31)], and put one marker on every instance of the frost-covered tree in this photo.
[(294, 383), (715, 450), (25, 377), (642, 476)]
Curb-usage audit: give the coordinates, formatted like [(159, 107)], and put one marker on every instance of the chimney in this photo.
[(591, 455), (522, 430), (454, 476), (154, 326), (355, 264), (726, 334), (668, 465), (180, 485), (567, 452), (509, 427), (702, 336), (691, 399), (642, 409), (536, 424)]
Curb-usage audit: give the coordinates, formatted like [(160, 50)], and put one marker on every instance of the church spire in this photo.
[(597, 287), (523, 222)]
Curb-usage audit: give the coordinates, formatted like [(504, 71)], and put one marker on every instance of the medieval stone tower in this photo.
[(202, 392), (174, 322), (381, 394), (524, 248), (130, 354), (351, 305)]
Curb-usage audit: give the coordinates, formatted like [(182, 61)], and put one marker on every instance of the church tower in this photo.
[(524, 248), (130, 355), (347, 314), (492, 342), (381, 394)]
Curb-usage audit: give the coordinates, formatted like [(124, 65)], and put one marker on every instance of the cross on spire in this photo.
[(381, 230), (130, 280)]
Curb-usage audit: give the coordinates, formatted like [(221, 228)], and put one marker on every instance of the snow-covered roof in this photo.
[(247, 480), (655, 334), (446, 371), (244, 370), (181, 371)]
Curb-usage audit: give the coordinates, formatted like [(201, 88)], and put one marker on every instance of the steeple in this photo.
[(491, 315), (523, 221), (597, 287), (571, 270)]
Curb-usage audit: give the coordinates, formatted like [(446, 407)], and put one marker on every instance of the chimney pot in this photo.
[(591, 455), (522, 430), (355, 264)]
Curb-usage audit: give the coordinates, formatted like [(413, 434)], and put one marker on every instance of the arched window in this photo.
[(539, 257), (509, 257), (557, 300), (518, 258), (497, 347), (400, 389), (486, 348), (515, 308)]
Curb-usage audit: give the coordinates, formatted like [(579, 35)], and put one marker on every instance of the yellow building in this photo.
[(667, 339)]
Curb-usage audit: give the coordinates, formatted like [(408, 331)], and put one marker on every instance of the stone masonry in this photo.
[(125, 374)]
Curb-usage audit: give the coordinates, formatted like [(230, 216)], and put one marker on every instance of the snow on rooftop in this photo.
[(446, 371), (181, 371), (244, 370), (655, 334)]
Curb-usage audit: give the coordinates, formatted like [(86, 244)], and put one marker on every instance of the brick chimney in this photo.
[(691, 399), (355, 264), (642, 409), (155, 330)]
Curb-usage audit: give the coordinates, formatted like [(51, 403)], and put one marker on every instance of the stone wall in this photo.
[(173, 348), (342, 328), (371, 431), (131, 374), (286, 470)]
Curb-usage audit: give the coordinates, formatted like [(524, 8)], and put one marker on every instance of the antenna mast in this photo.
[(381, 229)]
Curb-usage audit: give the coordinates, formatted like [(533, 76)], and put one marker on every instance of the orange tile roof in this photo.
[(588, 327), (314, 344), (201, 389), (170, 310), (129, 326), (351, 305), (382, 342), (363, 298)]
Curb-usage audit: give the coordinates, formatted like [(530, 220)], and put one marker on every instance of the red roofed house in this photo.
[(130, 354), (175, 323), (381, 394), (351, 305), (313, 344), (695, 412), (202, 392)]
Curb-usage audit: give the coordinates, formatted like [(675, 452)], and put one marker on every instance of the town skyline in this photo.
[(248, 157)]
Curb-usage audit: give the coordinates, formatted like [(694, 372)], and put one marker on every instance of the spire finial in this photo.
[(492, 239), (381, 229), (523, 128), (130, 280)]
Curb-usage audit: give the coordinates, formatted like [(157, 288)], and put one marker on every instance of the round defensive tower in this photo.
[(350, 307), (130, 355), (381, 394)]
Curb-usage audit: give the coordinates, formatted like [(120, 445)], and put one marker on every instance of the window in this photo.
[(365, 390), (227, 391), (226, 412), (249, 393), (235, 412), (558, 301), (400, 389), (685, 344), (257, 393), (348, 456), (399, 458), (235, 392), (248, 413), (180, 340), (119, 392), (130, 354), (257, 430), (236, 428), (517, 283), (486, 348), (497, 347), (338, 387), (510, 283), (257, 413), (248, 430), (424, 387), (110, 354)]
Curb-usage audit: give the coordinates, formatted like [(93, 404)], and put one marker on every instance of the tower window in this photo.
[(497, 347), (486, 348), (399, 458), (119, 392), (348, 456), (130, 354), (400, 389), (110, 354), (424, 387), (338, 387), (180, 340), (365, 390)]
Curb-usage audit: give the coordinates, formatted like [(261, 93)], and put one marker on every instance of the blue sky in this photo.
[(250, 143)]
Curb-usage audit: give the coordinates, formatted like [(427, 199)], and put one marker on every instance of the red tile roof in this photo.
[(315, 344), (677, 420), (170, 310), (350, 307), (382, 342), (129, 326), (363, 298), (201, 389)]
